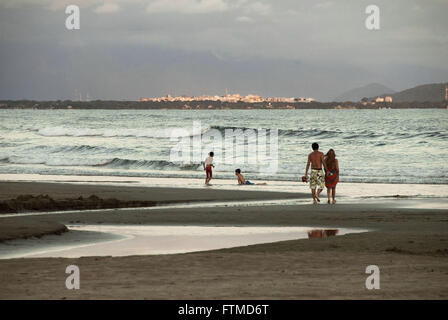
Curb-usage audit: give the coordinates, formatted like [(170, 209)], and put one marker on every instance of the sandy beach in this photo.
[(177, 150), (410, 246)]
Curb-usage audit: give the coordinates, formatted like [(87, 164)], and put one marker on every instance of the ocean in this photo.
[(373, 146)]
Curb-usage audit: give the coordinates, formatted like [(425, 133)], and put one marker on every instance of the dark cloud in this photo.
[(128, 49)]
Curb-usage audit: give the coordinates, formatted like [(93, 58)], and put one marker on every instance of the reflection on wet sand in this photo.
[(322, 233), (125, 240)]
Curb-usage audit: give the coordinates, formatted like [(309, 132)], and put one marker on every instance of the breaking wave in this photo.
[(110, 133), (116, 163)]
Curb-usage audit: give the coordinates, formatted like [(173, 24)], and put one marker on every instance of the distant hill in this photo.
[(370, 90), (434, 92)]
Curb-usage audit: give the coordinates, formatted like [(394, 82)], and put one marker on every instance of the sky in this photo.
[(127, 49)]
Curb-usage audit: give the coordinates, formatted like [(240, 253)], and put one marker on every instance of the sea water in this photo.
[(373, 146)]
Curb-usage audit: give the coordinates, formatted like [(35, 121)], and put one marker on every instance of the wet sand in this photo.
[(129, 192), (11, 229), (410, 246)]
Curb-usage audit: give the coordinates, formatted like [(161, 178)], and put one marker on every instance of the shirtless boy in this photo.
[(317, 177), (242, 181)]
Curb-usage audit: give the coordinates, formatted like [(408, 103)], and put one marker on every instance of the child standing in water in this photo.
[(208, 165), (332, 176)]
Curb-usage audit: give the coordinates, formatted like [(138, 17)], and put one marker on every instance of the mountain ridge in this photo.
[(369, 90), (431, 92)]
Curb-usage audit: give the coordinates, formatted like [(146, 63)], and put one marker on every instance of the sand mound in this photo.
[(25, 203), (11, 228)]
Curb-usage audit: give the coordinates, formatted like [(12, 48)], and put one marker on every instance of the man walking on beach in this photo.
[(317, 177)]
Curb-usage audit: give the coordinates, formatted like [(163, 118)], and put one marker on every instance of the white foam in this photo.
[(60, 131)]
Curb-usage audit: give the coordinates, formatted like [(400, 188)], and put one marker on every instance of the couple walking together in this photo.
[(319, 179)]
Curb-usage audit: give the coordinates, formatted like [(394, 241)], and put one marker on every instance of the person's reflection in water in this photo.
[(322, 233)]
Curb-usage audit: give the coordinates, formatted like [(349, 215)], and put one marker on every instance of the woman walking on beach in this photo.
[(332, 174)]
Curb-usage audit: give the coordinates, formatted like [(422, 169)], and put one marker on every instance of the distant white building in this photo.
[(305, 100), (388, 99)]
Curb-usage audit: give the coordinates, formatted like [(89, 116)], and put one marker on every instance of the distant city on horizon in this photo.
[(369, 94), (434, 95), (232, 98), (373, 92)]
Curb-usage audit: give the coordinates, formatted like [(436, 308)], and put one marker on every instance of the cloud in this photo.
[(53, 5), (323, 5), (236, 30), (244, 19), (258, 8), (102, 6), (107, 8), (57, 5), (187, 6)]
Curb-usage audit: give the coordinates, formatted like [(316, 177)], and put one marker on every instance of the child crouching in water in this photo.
[(242, 181)]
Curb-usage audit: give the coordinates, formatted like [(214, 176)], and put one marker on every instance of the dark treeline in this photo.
[(114, 104)]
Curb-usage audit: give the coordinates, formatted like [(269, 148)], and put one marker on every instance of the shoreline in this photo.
[(61, 190), (351, 190), (178, 176), (409, 245), (216, 105)]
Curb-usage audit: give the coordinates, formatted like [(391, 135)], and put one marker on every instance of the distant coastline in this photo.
[(213, 105)]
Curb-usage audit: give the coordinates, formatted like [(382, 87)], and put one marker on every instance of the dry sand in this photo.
[(410, 246)]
